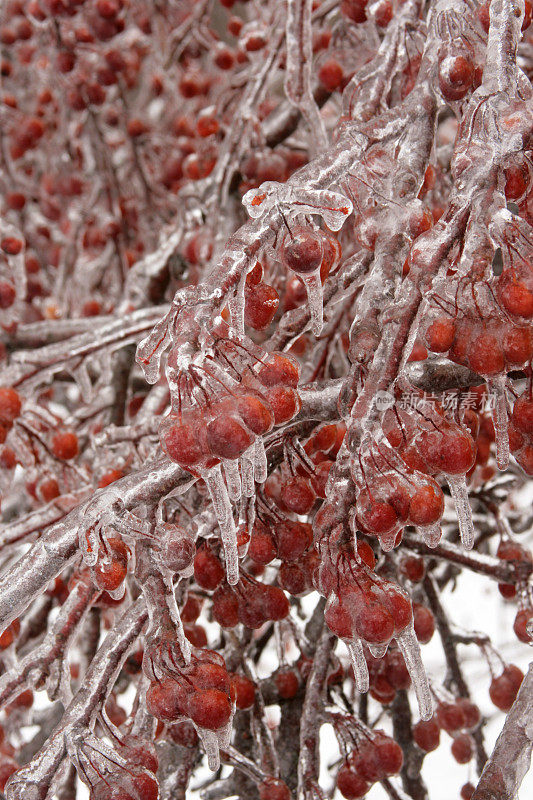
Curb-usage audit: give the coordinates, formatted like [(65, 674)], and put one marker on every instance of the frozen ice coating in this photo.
[(459, 493), (266, 347)]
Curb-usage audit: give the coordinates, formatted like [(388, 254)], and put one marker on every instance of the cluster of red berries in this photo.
[(250, 602), (377, 756), (428, 441), (458, 718), (490, 346), (284, 539), (202, 436), (509, 550), (201, 691), (390, 500), (362, 605)]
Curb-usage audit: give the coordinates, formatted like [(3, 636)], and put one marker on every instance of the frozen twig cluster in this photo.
[(266, 304)]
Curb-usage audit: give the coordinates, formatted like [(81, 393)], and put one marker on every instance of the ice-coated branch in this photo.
[(47, 660), (501, 571), (58, 546), (511, 757), (308, 764)]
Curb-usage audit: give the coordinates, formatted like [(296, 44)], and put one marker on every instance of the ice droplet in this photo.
[(410, 649), (313, 286), (224, 514), (359, 665), (431, 534), (210, 743), (378, 650), (459, 492)]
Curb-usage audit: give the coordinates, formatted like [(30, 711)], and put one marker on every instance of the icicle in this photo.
[(224, 734), (431, 534), (410, 649), (313, 287), (459, 492), (221, 503), (247, 472), (260, 461), (378, 650), (210, 743), (500, 420), (233, 479), (359, 665)]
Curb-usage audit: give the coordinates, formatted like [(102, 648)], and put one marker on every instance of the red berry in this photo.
[(413, 568), (227, 437), (209, 708), (440, 335), (298, 496), (262, 548), (485, 355), (456, 74), (65, 445), (7, 294), (467, 790), (331, 74), (522, 415), (284, 402), (279, 370), (10, 406), (426, 506), (260, 306), (463, 748), (208, 571), (516, 298), (180, 442), (225, 608), (350, 784), (424, 623), (112, 566), (255, 413), (293, 539), (354, 9), (471, 712), (274, 789), (374, 623), (303, 250), (523, 616), (427, 734), (276, 604), (450, 717), (166, 700), (244, 690), (11, 246), (287, 683)]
